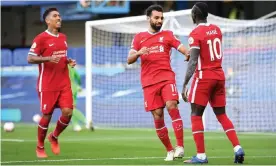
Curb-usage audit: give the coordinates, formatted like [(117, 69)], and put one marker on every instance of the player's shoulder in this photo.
[(194, 32), (62, 34), (143, 33), (217, 28), (41, 35), (137, 35)]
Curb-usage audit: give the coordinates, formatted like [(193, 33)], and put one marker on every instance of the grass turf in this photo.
[(129, 147)]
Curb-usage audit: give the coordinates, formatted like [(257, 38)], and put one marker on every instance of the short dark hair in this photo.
[(48, 11), (202, 10), (152, 8)]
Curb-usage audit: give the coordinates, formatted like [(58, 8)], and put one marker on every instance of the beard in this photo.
[(155, 27)]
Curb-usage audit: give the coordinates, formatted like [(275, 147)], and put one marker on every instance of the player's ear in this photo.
[(148, 18), (47, 20)]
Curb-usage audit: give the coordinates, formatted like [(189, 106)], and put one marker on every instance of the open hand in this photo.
[(185, 93), (187, 55)]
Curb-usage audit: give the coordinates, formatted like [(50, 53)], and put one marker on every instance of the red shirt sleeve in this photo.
[(135, 45), (194, 40), (175, 42), (36, 47)]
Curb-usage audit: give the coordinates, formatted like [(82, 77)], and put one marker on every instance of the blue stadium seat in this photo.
[(20, 57), (79, 54), (6, 57), (70, 53)]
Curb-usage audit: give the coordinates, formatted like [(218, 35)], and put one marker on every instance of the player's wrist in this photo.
[(138, 54), (47, 59)]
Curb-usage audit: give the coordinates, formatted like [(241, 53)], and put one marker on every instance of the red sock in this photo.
[(229, 129), (162, 133), (198, 133), (177, 126), (62, 123), (42, 131)]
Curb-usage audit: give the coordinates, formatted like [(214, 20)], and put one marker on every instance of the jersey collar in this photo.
[(154, 33), (204, 24), (51, 33)]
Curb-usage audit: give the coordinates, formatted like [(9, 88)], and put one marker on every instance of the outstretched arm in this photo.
[(190, 71), (184, 51)]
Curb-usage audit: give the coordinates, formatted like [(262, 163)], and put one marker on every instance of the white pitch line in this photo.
[(12, 140), (130, 158), (77, 139)]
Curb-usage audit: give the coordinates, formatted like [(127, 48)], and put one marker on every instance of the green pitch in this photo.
[(128, 147)]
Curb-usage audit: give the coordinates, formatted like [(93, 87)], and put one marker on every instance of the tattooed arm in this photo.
[(190, 71)]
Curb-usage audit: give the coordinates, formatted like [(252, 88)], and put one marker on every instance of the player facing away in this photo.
[(77, 115), (49, 51), (208, 84), (153, 47)]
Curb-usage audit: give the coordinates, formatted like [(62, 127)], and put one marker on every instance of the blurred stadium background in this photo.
[(117, 97)]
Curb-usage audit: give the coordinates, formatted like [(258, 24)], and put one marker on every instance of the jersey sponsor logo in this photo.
[(191, 40), (34, 45), (51, 45), (156, 49), (61, 53)]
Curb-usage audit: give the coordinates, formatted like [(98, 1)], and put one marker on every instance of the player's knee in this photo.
[(67, 111), (171, 104), (46, 116), (219, 110), (197, 110), (157, 115)]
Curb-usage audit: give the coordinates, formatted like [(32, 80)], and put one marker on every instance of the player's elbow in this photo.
[(129, 61), (30, 59)]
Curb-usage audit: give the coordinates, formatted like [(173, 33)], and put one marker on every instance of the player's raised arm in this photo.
[(175, 42), (184, 51)]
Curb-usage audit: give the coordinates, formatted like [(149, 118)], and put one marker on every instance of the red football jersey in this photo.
[(208, 38), (155, 66), (52, 76)]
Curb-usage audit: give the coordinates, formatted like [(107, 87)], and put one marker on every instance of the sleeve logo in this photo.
[(191, 40), (33, 46)]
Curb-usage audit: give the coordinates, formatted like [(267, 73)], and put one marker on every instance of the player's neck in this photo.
[(53, 31), (152, 30), (201, 21)]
